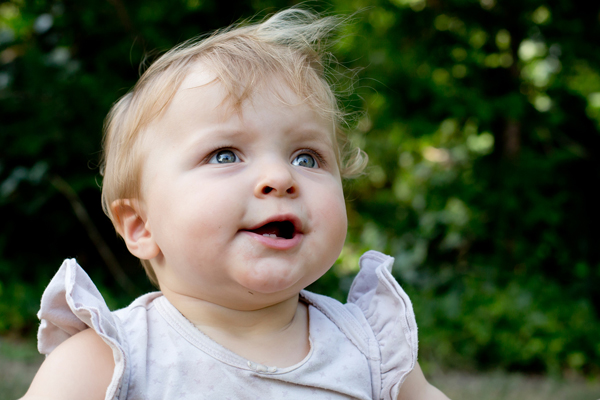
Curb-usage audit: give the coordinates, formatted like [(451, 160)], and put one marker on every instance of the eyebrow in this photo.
[(221, 132), (314, 133)]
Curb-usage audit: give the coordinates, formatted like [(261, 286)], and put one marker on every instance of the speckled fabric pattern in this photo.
[(361, 350)]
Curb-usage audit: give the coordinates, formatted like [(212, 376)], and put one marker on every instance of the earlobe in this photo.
[(134, 228)]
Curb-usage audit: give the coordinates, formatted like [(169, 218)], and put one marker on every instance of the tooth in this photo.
[(271, 235)]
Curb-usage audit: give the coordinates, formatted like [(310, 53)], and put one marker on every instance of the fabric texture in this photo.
[(360, 350)]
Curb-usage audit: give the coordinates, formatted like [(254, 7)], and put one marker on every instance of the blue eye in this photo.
[(305, 160), (224, 157)]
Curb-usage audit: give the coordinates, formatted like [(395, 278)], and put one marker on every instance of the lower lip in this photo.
[(276, 242)]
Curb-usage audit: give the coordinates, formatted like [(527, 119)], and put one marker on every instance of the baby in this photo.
[(223, 173)]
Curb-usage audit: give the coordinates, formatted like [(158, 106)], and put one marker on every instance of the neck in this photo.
[(276, 335), (207, 315)]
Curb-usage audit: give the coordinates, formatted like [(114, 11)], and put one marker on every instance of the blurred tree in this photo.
[(482, 126), (483, 132)]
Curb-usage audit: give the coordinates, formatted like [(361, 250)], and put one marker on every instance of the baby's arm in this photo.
[(80, 368), (416, 387)]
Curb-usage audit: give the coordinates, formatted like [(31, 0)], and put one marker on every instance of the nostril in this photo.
[(267, 190), (291, 190)]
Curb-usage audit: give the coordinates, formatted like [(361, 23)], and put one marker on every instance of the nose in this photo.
[(276, 180)]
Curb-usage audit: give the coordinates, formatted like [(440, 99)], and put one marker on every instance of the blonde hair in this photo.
[(291, 44)]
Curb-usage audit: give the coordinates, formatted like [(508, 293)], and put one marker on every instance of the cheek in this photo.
[(186, 216), (333, 219), (340, 225)]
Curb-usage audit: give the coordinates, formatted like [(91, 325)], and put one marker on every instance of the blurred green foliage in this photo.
[(482, 125)]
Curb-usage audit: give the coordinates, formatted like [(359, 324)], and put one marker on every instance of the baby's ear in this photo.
[(134, 228)]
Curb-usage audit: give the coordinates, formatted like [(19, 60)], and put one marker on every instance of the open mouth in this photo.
[(276, 229)]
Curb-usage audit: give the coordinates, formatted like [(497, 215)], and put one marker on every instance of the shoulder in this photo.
[(416, 387), (80, 367)]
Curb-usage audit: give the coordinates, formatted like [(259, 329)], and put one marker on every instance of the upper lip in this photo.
[(280, 218)]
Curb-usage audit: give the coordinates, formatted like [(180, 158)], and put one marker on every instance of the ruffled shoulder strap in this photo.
[(352, 323), (72, 303), (390, 315)]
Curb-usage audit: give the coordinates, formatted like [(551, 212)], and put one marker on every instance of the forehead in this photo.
[(203, 99)]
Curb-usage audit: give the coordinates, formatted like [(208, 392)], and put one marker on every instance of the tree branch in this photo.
[(82, 215)]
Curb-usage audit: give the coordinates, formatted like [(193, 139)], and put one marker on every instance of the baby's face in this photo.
[(247, 208)]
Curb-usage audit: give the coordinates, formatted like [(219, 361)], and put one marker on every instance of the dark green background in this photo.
[(481, 121)]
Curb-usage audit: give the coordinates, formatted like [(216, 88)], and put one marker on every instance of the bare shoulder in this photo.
[(416, 387), (81, 367)]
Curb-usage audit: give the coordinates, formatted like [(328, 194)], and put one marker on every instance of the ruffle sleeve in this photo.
[(390, 315), (72, 303)]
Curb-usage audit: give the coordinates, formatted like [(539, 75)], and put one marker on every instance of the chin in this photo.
[(269, 280)]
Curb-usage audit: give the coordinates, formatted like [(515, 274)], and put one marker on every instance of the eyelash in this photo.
[(212, 153), (320, 160)]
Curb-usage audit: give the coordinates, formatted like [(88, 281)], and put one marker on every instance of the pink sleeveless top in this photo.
[(360, 350)]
